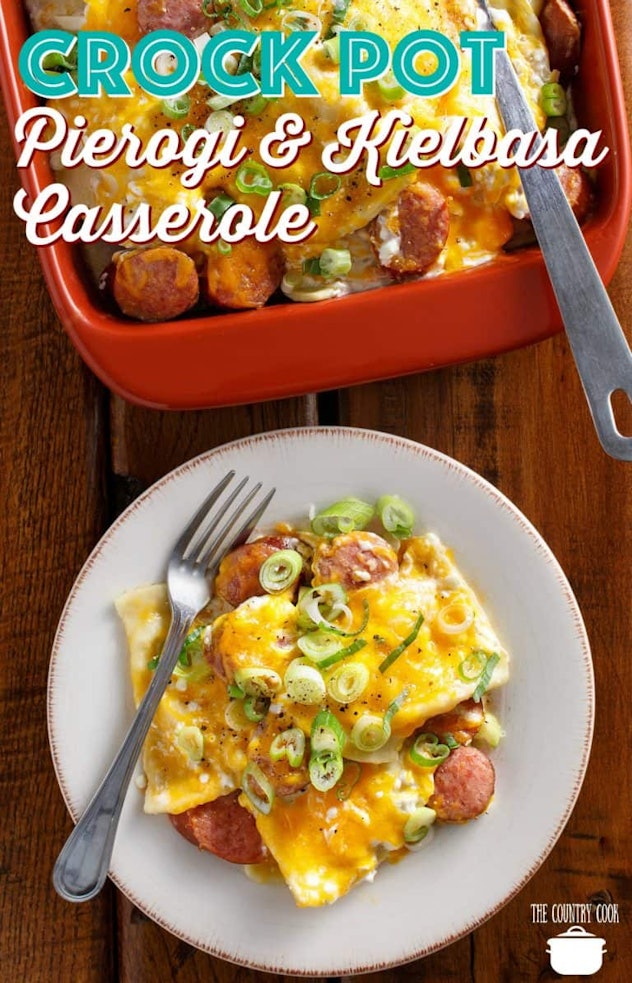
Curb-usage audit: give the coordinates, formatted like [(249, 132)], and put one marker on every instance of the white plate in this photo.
[(466, 873)]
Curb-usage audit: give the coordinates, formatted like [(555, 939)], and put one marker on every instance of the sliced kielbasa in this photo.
[(246, 277), (463, 723), (577, 189), (155, 284), (224, 828), (562, 33), (354, 559), (184, 16), (464, 785), (238, 575), (420, 221)]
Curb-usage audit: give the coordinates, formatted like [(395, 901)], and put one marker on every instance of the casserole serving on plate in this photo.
[(284, 349)]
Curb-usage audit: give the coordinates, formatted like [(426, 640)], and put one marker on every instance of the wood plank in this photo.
[(145, 445), (51, 449)]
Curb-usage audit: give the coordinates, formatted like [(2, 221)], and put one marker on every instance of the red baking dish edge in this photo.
[(289, 349)]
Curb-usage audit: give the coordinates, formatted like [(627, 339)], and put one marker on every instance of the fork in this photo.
[(82, 865), (598, 344)]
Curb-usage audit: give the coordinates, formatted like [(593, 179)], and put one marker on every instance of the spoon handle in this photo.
[(600, 349)]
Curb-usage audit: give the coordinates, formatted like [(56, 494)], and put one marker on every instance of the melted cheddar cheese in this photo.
[(480, 215), (322, 841)]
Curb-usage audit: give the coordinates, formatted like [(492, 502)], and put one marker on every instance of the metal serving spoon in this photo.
[(600, 349)]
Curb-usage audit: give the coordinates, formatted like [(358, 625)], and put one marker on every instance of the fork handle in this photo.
[(82, 865), (598, 344)]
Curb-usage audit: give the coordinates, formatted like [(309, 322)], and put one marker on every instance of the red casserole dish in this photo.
[(287, 349)]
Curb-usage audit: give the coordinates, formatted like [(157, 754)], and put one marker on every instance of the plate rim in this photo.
[(424, 451)]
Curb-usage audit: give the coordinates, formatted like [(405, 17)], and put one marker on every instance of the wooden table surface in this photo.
[(72, 456)]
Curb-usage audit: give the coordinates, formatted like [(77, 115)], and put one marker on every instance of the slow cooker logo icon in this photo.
[(576, 952)]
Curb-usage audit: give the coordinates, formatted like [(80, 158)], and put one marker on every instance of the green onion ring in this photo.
[(257, 787), (289, 744), (325, 770), (427, 752), (280, 571), (253, 179)]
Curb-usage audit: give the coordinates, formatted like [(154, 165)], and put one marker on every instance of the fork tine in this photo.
[(202, 512), (208, 527), (242, 533)]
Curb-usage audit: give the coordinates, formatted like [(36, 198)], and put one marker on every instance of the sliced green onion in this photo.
[(386, 173), (464, 175), (450, 741), (325, 769), (393, 707), (220, 204), (369, 732), (418, 824), (330, 263), (341, 654), (191, 741), (427, 752), (318, 645), (349, 634), (471, 668), (320, 604), (490, 730), (280, 571), (335, 262), (350, 778), (193, 644), (293, 194), (340, 10), (327, 733), (208, 8), (235, 716), (224, 248), (486, 677), (176, 108), (304, 684), (358, 23), (347, 683), (553, 99), (252, 7), (256, 707), (192, 665), (219, 122), (344, 516), (331, 47), (257, 787), (255, 105), (289, 744), (301, 20), (235, 691), (253, 179), (324, 185), (257, 681), (218, 102), (55, 61), (390, 89), (187, 131), (396, 515), (395, 654)]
